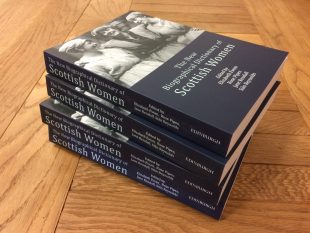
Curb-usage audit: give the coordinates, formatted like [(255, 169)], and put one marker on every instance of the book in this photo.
[(203, 86), (179, 150), (63, 117), (149, 177), (78, 129)]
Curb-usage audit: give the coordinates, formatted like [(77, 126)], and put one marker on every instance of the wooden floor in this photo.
[(46, 189)]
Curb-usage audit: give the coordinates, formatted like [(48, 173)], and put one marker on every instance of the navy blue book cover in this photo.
[(149, 177), (84, 129), (203, 86), (71, 121), (175, 148), (79, 133)]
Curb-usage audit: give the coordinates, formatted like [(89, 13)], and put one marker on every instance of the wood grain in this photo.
[(260, 182), (230, 17), (283, 123), (27, 28), (268, 181), (97, 200), (272, 190), (146, 213), (47, 189), (193, 9), (253, 38), (283, 101), (34, 175), (201, 3), (29, 185), (279, 149), (286, 30)]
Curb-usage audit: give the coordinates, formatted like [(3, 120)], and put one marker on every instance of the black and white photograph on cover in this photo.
[(88, 121), (130, 47), (104, 102)]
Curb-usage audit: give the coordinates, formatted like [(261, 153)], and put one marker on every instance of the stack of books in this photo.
[(170, 106)]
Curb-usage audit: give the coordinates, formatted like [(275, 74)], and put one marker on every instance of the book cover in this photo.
[(78, 129), (149, 177), (200, 85), (65, 118), (179, 150)]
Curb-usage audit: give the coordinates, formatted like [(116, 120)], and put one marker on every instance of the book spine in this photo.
[(142, 133), (136, 156), (203, 134), (143, 176)]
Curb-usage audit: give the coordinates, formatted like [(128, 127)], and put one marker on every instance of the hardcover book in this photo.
[(200, 85), (150, 177), (179, 150)]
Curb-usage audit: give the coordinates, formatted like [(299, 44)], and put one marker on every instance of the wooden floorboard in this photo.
[(21, 62), (279, 149), (284, 123), (262, 200), (35, 176), (260, 182), (285, 29), (222, 17), (273, 180), (48, 189)]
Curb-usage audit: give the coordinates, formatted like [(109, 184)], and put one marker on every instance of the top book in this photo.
[(204, 86)]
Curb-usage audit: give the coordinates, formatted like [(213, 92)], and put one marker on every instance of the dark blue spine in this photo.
[(217, 140), (169, 145), (143, 174), (136, 155)]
